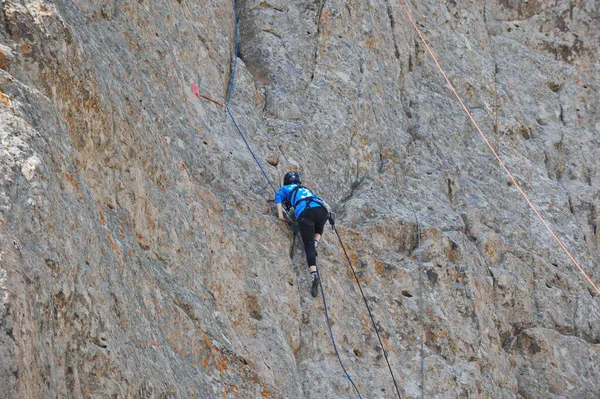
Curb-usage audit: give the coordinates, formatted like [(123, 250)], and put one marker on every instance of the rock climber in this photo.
[(311, 214)]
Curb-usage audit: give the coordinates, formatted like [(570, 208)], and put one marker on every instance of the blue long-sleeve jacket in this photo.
[(283, 196)]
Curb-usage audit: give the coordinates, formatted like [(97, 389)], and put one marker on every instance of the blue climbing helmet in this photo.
[(292, 178)]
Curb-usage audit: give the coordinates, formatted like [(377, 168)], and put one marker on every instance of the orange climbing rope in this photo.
[(494, 151)]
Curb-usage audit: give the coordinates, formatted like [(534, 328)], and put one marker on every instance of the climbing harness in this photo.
[(487, 142), (292, 202)]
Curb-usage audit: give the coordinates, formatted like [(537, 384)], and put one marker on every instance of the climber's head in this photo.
[(292, 178)]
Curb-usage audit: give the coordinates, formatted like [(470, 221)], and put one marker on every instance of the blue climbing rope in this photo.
[(250, 149), (332, 338), (227, 107), (369, 310), (230, 92), (234, 67)]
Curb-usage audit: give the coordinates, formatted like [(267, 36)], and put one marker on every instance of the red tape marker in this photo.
[(198, 95)]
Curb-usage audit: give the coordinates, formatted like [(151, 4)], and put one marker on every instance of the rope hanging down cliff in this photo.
[(368, 309), (487, 142)]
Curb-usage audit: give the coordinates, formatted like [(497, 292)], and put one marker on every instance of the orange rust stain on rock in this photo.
[(230, 389), (385, 342), (489, 249), (431, 234), (205, 363), (26, 49), (379, 267), (142, 242), (257, 95), (102, 219), (372, 43), (221, 365), (5, 100), (3, 62), (155, 343), (452, 254), (207, 340), (112, 243), (72, 180)]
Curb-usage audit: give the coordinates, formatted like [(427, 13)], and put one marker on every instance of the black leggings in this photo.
[(311, 222)]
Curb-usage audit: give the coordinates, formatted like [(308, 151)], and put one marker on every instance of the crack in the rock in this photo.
[(449, 184), (264, 5), (4, 20), (497, 96), (100, 342), (390, 13), (561, 116), (547, 165), (10, 30), (317, 37), (575, 315), (355, 184), (570, 204), (382, 163), (187, 309), (485, 20), (270, 31)]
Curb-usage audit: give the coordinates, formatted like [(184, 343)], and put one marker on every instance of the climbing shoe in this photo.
[(314, 291)]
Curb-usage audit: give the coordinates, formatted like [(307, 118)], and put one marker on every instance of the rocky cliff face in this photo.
[(140, 257)]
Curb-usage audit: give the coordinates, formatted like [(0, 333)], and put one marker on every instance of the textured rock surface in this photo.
[(139, 256)]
